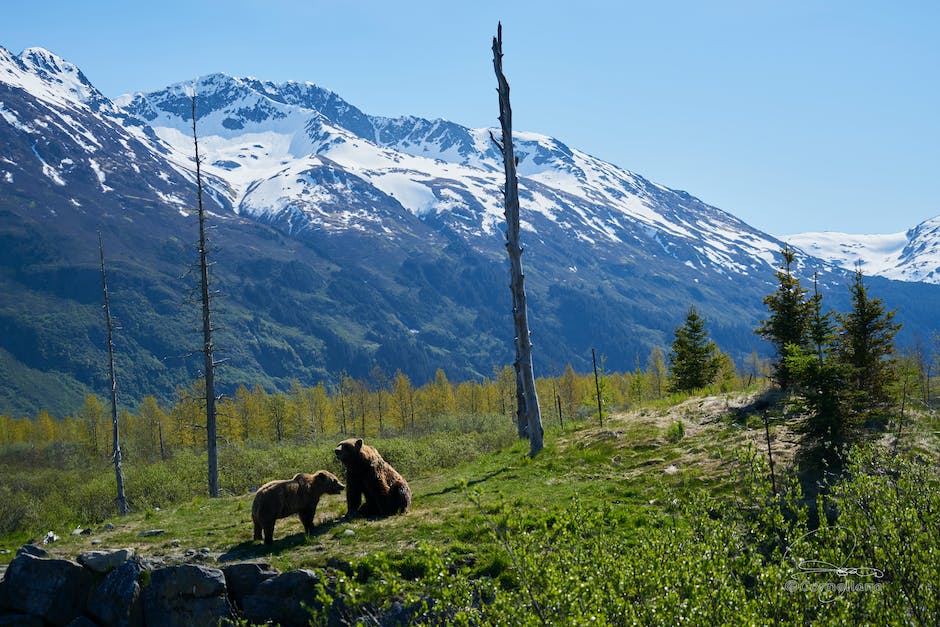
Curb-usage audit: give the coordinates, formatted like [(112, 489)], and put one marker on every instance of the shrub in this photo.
[(676, 431)]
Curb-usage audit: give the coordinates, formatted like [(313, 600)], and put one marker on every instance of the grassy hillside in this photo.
[(662, 515)]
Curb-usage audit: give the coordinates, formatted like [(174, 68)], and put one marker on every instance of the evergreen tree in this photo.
[(825, 391), (866, 341), (818, 374), (820, 329), (787, 324), (693, 357)]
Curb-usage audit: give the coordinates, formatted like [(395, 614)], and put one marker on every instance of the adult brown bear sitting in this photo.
[(300, 495), (368, 475)]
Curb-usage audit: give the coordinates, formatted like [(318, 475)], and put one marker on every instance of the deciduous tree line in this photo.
[(379, 405)]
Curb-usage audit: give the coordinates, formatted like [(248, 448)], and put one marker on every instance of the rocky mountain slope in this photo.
[(342, 241), (912, 255)]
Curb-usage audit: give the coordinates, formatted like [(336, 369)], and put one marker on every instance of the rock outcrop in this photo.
[(119, 588)]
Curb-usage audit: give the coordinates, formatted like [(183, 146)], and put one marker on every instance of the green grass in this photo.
[(617, 524), (623, 462)]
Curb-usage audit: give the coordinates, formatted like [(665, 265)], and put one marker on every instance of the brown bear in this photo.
[(300, 495), (368, 475)]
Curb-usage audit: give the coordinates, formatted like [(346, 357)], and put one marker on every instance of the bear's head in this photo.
[(325, 482), (349, 451)]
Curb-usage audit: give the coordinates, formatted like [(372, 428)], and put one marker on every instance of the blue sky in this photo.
[(794, 116)]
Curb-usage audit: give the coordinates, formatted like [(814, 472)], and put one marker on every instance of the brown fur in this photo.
[(368, 475), (300, 495)]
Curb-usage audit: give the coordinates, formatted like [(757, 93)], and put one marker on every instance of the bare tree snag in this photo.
[(207, 347), (115, 433), (522, 419), (597, 388), (523, 343)]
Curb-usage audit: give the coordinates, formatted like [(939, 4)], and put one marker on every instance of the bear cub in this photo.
[(300, 495), (368, 475)]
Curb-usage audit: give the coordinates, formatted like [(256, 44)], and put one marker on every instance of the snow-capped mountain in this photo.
[(341, 240), (281, 147), (912, 255), (55, 123)]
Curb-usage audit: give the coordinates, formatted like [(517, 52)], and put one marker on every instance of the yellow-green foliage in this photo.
[(378, 406)]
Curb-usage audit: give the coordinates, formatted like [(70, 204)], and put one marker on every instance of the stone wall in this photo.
[(117, 587)]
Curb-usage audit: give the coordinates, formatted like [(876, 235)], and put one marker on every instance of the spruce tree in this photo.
[(693, 357), (865, 342), (789, 313), (820, 377)]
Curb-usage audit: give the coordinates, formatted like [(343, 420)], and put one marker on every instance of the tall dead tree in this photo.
[(520, 316), (207, 346), (115, 432)]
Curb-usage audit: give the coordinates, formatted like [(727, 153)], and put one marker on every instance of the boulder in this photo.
[(20, 620), (279, 599), (32, 549), (116, 600), (186, 595), (147, 533), (50, 537), (243, 579), (103, 562), (55, 590)]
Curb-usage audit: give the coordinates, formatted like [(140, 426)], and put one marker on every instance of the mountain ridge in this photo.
[(912, 255), (343, 242)]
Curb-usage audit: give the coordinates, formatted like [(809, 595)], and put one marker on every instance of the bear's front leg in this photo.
[(353, 498), (306, 518)]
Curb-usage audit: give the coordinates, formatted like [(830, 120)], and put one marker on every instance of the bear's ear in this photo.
[(359, 444)]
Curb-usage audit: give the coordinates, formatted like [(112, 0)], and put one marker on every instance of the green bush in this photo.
[(676, 431), (732, 561)]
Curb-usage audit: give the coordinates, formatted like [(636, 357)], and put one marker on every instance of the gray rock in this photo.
[(104, 562), (32, 549), (152, 563), (116, 600), (50, 537), (152, 532), (279, 599), (55, 590), (186, 595), (243, 579)]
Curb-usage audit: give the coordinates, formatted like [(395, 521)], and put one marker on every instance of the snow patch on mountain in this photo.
[(99, 173), (912, 255), (51, 78), (11, 118)]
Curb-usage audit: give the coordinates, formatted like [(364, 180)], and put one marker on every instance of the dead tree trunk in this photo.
[(522, 419), (207, 347), (115, 432), (597, 388), (523, 343)]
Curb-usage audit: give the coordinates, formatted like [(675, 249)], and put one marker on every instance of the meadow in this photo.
[(665, 514)]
